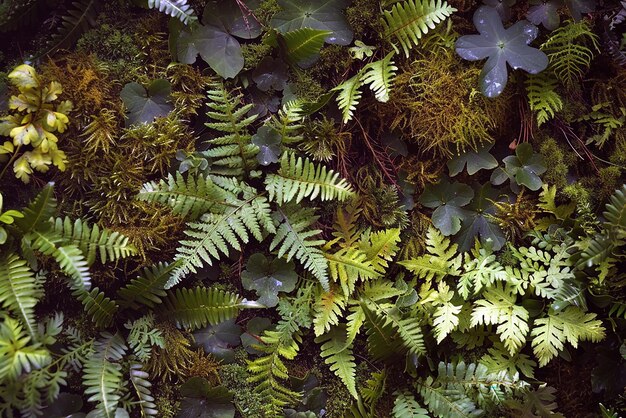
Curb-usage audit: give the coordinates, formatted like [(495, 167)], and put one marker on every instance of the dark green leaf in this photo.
[(270, 74), (252, 336), (219, 339), (229, 17), (203, 401), (447, 199), (315, 14), (268, 278), (64, 405), (475, 161), (268, 140), (145, 105), (302, 46), (545, 13), (478, 221)]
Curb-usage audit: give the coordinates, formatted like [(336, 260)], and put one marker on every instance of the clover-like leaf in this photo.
[(268, 140), (503, 7), (268, 278), (500, 46), (145, 105), (478, 221), (545, 13), (447, 199), (523, 169), (252, 336), (232, 18), (270, 74), (219, 339), (203, 401), (314, 14), (475, 161)]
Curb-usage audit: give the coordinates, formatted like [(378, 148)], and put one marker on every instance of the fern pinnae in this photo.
[(349, 96), (379, 76), (410, 20), (18, 290), (141, 386), (179, 9)]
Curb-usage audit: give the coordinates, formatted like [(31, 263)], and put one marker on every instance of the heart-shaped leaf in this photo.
[(523, 169), (270, 74), (145, 105), (314, 14), (219, 339), (268, 278), (203, 401), (500, 46), (578, 7), (475, 161), (503, 7), (478, 220), (447, 199), (268, 140), (228, 16), (545, 13), (252, 336)]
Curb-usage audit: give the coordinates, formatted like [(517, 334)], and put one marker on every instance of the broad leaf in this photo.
[(478, 221), (315, 14), (578, 7), (268, 140), (219, 339), (545, 13), (254, 331), (145, 105), (270, 74), (501, 46), (268, 278), (203, 401), (447, 199), (475, 161), (503, 7), (523, 169)]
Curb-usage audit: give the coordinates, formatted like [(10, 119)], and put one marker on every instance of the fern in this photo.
[(179, 9), (17, 355), (97, 305), (349, 265), (379, 76), (304, 43), (19, 290), (215, 233), (380, 247), (410, 20), (328, 309), (542, 97), (571, 324), (568, 50), (340, 358), (79, 18), (148, 288), (141, 387), (615, 212), (232, 153), (189, 197), (195, 308), (405, 406), (294, 239), (441, 261), (445, 404), (298, 178), (480, 270), (349, 96), (102, 373), (92, 241), (38, 212), (446, 316)]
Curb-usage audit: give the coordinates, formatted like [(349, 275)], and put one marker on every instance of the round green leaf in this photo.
[(143, 105), (268, 278)]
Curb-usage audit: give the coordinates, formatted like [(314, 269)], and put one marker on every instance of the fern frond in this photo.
[(92, 241), (441, 261), (215, 233), (445, 403), (405, 406), (615, 212), (294, 239), (349, 96), (569, 49), (199, 307), (179, 9), (17, 354), (148, 288), (380, 247), (79, 18), (102, 373), (232, 153), (97, 305), (298, 178), (348, 265), (38, 212), (382, 339), (379, 76), (19, 290), (304, 43), (542, 97), (410, 20), (141, 386), (339, 357), (328, 310), (187, 197)]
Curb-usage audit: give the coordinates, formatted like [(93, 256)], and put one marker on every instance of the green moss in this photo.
[(266, 11), (307, 88), (253, 54), (334, 62), (166, 402), (364, 18), (555, 162), (235, 377), (577, 193)]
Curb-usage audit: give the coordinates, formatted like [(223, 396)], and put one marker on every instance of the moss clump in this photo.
[(235, 377), (166, 402), (364, 18), (307, 88), (334, 62), (253, 54), (266, 10), (555, 162)]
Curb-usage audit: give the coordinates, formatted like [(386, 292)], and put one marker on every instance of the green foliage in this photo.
[(340, 357), (405, 406), (148, 288), (304, 43), (410, 20), (19, 290), (542, 97), (179, 9), (80, 17), (34, 123)]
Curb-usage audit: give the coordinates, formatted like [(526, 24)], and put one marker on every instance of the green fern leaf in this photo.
[(441, 261), (191, 197), (38, 212), (79, 18), (298, 178), (379, 76), (446, 403), (571, 325), (347, 266), (141, 387), (92, 241), (340, 358), (615, 212), (97, 305), (542, 97), (405, 406), (199, 307), (215, 233), (349, 96), (148, 289), (304, 43), (380, 247), (410, 20), (102, 373), (17, 355), (179, 9), (328, 309), (294, 239), (19, 290)]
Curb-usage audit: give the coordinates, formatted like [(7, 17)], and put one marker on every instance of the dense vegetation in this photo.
[(326, 208)]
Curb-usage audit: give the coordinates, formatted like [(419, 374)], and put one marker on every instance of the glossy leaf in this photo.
[(503, 7), (268, 278), (145, 105), (478, 222), (474, 160), (545, 13), (270, 74), (219, 339), (447, 199), (523, 169)]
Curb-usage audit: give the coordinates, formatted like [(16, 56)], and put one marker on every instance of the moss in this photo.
[(253, 54), (577, 193), (165, 400), (307, 88), (266, 10), (364, 19), (555, 162), (333, 64), (235, 377)]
